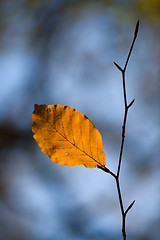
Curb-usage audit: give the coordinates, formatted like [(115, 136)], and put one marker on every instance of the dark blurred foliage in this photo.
[(61, 51)]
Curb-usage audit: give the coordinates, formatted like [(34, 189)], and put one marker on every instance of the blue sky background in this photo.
[(62, 52)]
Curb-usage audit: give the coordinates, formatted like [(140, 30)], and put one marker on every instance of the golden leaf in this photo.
[(67, 136)]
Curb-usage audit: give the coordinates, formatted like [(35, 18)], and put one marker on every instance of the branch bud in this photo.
[(131, 103), (130, 206), (119, 68), (136, 29)]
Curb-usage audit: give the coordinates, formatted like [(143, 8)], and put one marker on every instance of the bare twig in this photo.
[(127, 106), (129, 207)]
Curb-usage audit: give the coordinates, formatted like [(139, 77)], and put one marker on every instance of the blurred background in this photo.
[(62, 52)]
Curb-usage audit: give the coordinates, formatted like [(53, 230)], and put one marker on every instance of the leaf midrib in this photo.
[(73, 144)]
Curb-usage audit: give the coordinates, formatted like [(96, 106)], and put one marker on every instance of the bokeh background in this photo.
[(62, 52)]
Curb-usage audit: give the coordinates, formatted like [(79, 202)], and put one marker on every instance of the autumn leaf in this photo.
[(67, 136)]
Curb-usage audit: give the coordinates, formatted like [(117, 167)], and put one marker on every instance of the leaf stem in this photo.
[(103, 168), (116, 176)]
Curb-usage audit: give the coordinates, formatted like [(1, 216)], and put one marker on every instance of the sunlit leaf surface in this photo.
[(67, 136)]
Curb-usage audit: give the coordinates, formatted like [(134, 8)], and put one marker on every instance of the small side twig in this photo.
[(129, 207), (127, 106)]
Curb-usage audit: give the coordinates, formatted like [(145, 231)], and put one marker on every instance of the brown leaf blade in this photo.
[(67, 136)]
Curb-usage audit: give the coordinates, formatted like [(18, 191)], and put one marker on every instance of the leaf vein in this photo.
[(76, 146)]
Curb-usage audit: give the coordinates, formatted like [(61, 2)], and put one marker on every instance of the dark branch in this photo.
[(123, 71), (130, 206), (103, 168), (134, 39), (118, 66), (131, 103)]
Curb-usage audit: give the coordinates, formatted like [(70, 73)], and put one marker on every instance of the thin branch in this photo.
[(130, 206), (134, 39), (122, 142), (120, 69), (116, 176), (125, 99), (123, 134), (131, 103), (119, 195), (124, 88)]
